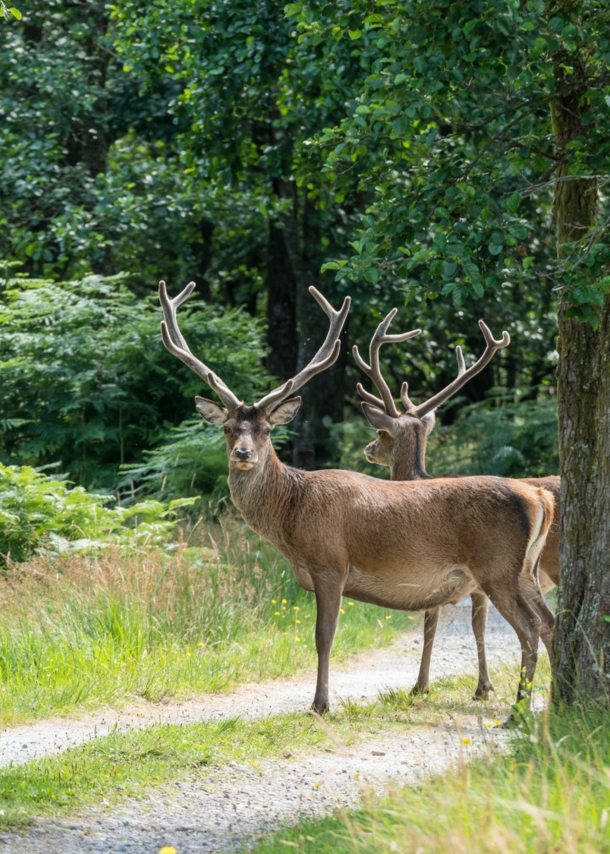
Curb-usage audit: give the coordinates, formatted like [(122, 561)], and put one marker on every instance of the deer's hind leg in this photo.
[(422, 686), (479, 625), (529, 584), (517, 611)]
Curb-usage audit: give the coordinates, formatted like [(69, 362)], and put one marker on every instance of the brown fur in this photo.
[(401, 445), (401, 545)]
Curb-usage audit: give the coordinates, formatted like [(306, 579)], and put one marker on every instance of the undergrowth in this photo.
[(222, 608), (550, 794)]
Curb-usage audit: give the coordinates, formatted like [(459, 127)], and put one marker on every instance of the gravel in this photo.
[(226, 808)]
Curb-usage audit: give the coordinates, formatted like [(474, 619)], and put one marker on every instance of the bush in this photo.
[(38, 512), (87, 383), (498, 437)]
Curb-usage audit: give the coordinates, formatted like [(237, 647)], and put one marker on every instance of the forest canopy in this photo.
[(259, 149)]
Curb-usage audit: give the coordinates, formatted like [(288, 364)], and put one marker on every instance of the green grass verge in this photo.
[(125, 764), (85, 632), (552, 794)]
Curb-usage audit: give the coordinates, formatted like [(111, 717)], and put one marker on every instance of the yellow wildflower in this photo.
[(317, 785), (410, 617), (167, 849), (389, 617), (273, 601), (201, 644), (298, 640), (342, 611), (296, 608), (356, 775), (298, 622), (466, 741), (351, 604), (284, 601), (276, 614)]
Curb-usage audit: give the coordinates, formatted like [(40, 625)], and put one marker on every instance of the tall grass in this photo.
[(78, 630)]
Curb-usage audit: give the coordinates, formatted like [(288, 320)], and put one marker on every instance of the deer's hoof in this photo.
[(417, 689), (319, 707), (482, 692)]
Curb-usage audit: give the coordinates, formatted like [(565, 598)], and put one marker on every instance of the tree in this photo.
[(485, 131)]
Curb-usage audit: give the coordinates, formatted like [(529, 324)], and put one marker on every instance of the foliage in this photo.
[(87, 382), (498, 437), (40, 513), (453, 131)]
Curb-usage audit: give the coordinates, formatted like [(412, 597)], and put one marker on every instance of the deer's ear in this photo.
[(211, 411), (378, 419), (285, 412), (429, 421)]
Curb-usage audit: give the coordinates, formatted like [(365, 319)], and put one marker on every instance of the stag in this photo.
[(401, 445), (402, 545)]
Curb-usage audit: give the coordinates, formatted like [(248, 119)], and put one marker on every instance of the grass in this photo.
[(551, 794), (78, 632), (121, 765)]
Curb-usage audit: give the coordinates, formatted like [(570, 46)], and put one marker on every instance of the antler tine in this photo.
[(492, 347), (404, 392), (373, 371), (176, 344), (326, 356)]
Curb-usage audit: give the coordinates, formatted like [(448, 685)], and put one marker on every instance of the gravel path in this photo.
[(366, 675), (226, 808)]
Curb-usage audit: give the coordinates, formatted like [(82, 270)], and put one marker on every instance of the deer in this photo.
[(397, 544), (401, 445)]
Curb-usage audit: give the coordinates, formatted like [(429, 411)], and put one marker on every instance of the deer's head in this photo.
[(401, 436), (248, 428)]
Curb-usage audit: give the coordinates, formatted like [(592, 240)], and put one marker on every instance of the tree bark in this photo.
[(281, 308), (581, 644), (322, 402)]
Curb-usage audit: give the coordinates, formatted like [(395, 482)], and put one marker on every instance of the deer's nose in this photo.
[(243, 454)]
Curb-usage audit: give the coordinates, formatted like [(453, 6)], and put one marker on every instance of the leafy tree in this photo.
[(484, 129)]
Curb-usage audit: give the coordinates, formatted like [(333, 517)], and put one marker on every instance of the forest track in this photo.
[(228, 807)]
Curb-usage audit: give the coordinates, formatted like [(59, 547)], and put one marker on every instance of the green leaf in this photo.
[(15, 12), (513, 202), (355, 34)]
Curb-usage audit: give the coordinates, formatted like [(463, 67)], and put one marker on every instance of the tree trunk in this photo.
[(202, 250), (322, 403), (281, 308), (581, 644)]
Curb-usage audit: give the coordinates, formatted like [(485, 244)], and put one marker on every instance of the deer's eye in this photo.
[(227, 430), (267, 432)]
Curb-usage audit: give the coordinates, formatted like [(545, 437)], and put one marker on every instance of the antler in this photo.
[(404, 391), (463, 375), (373, 370), (325, 357), (175, 343)]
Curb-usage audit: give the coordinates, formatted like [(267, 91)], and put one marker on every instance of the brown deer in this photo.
[(399, 545), (401, 445)]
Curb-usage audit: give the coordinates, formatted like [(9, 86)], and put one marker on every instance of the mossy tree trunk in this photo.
[(582, 634)]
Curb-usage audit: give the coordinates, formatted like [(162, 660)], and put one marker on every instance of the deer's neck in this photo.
[(264, 494), (409, 459)]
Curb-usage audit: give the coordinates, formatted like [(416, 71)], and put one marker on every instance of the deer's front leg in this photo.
[(328, 600), (430, 623)]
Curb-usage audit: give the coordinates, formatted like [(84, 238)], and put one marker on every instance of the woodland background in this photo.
[(234, 144)]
